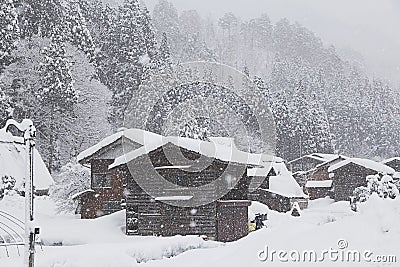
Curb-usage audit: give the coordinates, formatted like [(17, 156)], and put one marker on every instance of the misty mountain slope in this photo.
[(74, 69), (361, 112)]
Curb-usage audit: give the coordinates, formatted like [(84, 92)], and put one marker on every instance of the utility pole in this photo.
[(29, 130), (29, 138)]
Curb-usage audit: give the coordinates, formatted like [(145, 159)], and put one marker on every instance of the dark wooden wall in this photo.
[(232, 222), (348, 178), (189, 221), (92, 205), (157, 218), (320, 192)]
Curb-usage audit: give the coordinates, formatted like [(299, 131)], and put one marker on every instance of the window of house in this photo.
[(101, 180), (132, 219), (111, 206)]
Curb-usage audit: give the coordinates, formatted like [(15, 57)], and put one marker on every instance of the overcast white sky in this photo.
[(371, 27)]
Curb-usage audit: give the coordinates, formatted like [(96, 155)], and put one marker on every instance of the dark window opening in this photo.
[(132, 219), (101, 180)]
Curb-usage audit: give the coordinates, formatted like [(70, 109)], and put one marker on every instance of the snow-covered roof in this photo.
[(390, 160), (284, 183), (213, 149), (322, 157), (173, 198), (136, 135), (331, 159), (263, 171), (319, 184), (366, 163), (173, 167), (77, 195), (13, 164), (322, 164), (260, 172)]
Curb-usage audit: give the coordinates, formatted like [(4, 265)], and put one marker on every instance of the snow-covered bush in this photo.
[(7, 184), (361, 194), (295, 211), (383, 186), (72, 178)]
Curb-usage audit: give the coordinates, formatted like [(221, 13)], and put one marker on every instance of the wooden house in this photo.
[(351, 173), (159, 208), (279, 190), (319, 172), (308, 162), (105, 195), (394, 163)]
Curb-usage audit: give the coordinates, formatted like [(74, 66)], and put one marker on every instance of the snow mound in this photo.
[(257, 207)]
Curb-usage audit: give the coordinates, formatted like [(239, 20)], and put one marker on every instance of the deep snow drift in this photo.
[(69, 241)]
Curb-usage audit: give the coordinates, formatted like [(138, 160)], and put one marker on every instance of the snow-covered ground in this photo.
[(69, 241)]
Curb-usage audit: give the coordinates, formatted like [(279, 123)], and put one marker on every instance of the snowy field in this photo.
[(68, 241)]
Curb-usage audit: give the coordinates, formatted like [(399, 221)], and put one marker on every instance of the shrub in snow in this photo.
[(361, 194), (72, 179), (295, 210), (7, 184), (383, 186)]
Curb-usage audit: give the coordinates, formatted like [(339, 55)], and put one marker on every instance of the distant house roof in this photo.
[(331, 159), (322, 157), (319, 184), (135, 135), (366, 163), (13, 164), (322, 164), (283, 183), (220, 148)]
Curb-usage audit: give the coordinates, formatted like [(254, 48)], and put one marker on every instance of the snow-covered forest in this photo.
[(68, 65), (143, 132)]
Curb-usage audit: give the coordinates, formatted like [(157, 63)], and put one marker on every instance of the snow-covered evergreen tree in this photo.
[(6, 106), (126, 50), (166, 20), (164, 61), (57, 95), (76, 27), (42, 18), (9, 31)]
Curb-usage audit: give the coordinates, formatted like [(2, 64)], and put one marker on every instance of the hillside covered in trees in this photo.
[(74, 66)]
